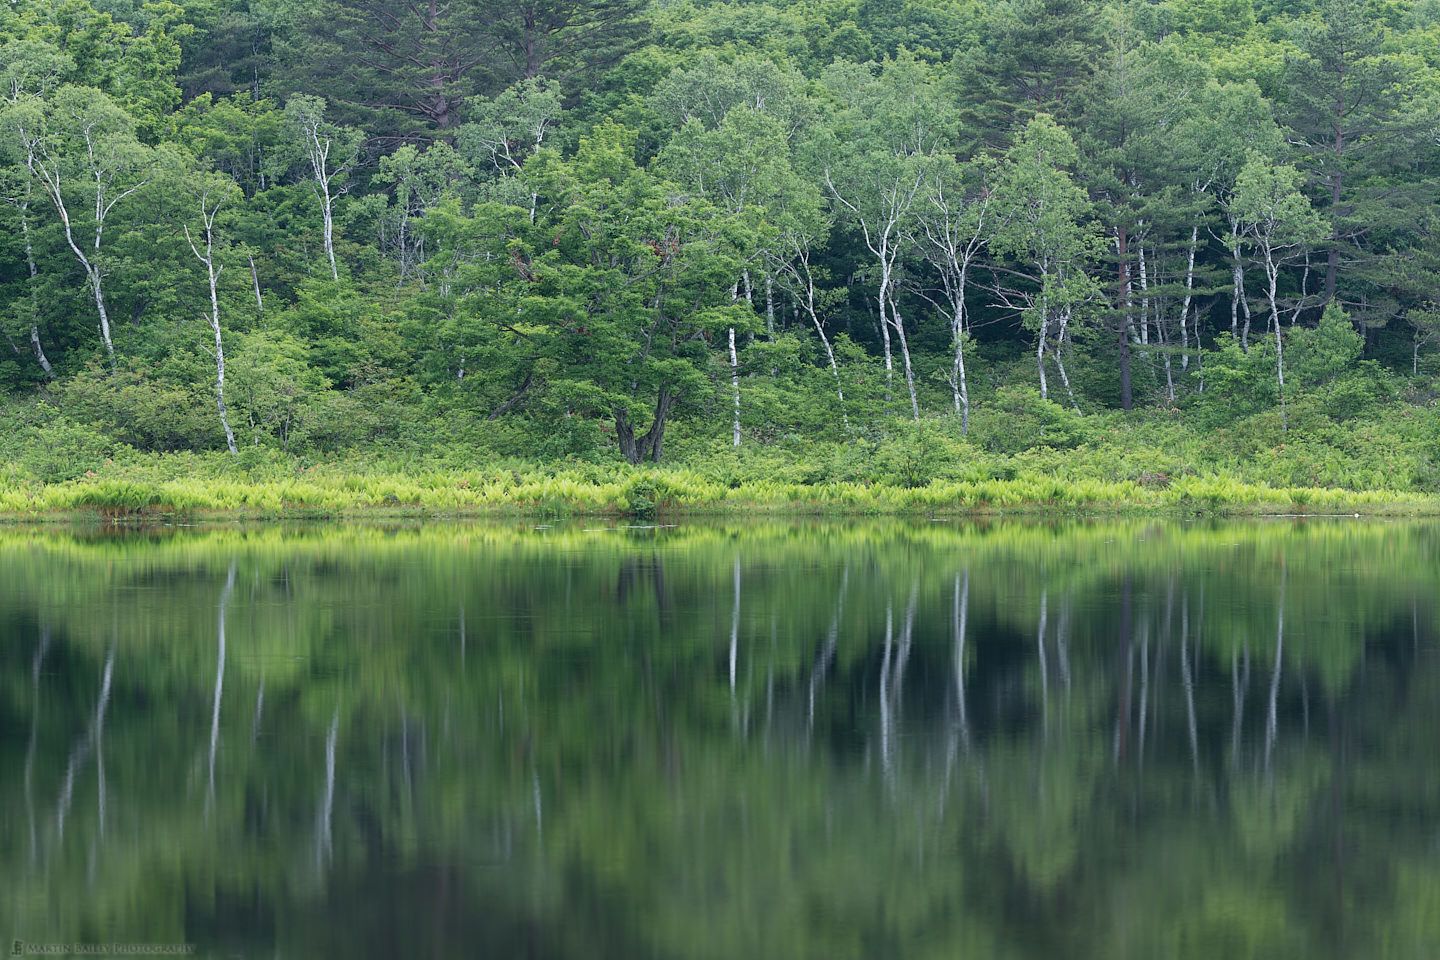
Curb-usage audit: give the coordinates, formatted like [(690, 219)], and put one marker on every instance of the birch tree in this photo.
[(1230, 122), (1041, 226), (421, 179), (80, 147), (878, 158), (742, 167), (1276, 224), (329, 154), (953, 224), (28, 71), (210, 193)]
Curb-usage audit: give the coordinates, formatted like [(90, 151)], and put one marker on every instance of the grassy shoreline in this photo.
[(662, 492)]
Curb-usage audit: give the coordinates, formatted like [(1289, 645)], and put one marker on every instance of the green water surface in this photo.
[(788, 740)]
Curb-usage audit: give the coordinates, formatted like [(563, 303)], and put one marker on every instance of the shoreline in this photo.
[(673, 494)]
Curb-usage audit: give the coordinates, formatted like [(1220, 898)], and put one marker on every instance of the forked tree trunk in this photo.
[(648, 445)]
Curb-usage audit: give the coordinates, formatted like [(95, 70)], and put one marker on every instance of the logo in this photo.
[(17, 949)]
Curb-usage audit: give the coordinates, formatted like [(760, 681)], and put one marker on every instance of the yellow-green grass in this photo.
[(661, 491)]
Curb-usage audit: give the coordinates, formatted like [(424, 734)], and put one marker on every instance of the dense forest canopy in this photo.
[(554, 228)]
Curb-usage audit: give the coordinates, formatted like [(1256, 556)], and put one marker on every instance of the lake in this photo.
[(770, 739)]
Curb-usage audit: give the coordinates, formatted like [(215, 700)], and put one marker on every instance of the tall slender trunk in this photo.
[(1272, 275), (885, 691), (1060, 362), (958, 383), (1044, 666), (885, 338), (770, 304), (905, 356), (1165, 353), (31, 305), (327, 211), (1189, 294), (255, 279), (734, 629), (1144, 295), (1239, 682), (89, 742), (212, 274), (735, 385), (1123, 256), (807, 283), (1040, 347)]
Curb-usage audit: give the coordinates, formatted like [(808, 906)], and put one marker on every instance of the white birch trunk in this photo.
[(905, 356), (212, 274), (735, 385), (255, 279), (35, 346), (1189, 296)]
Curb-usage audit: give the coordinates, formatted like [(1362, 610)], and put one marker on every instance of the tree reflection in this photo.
[(795, 739)]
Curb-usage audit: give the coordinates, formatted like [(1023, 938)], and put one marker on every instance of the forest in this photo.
[(874, 241)]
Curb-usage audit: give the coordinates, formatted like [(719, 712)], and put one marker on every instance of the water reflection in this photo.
[(1141, 740)]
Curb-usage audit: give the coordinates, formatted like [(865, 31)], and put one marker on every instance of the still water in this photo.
[(828, 740)]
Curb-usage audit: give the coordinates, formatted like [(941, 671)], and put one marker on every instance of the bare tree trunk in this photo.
[(734, 632), (1272, 272), (639, 448), (735, 385), (1060, 363), (1123, 256), (1165, 352), (87, 743), (255, 279), (958, 383), (1040, 352), (1044, 668), (1189, 295), (39, 351), (1144, 296), (770, 304), (212, 273), (803, 293), (905, 355), (885, 338)]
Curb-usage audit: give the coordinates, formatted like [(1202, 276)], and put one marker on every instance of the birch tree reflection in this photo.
[(815, 740)]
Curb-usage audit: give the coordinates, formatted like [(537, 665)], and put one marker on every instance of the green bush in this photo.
[(1017, 419), (60, 450)]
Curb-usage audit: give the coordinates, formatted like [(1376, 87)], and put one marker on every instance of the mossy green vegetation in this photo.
[(1106, 463)]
